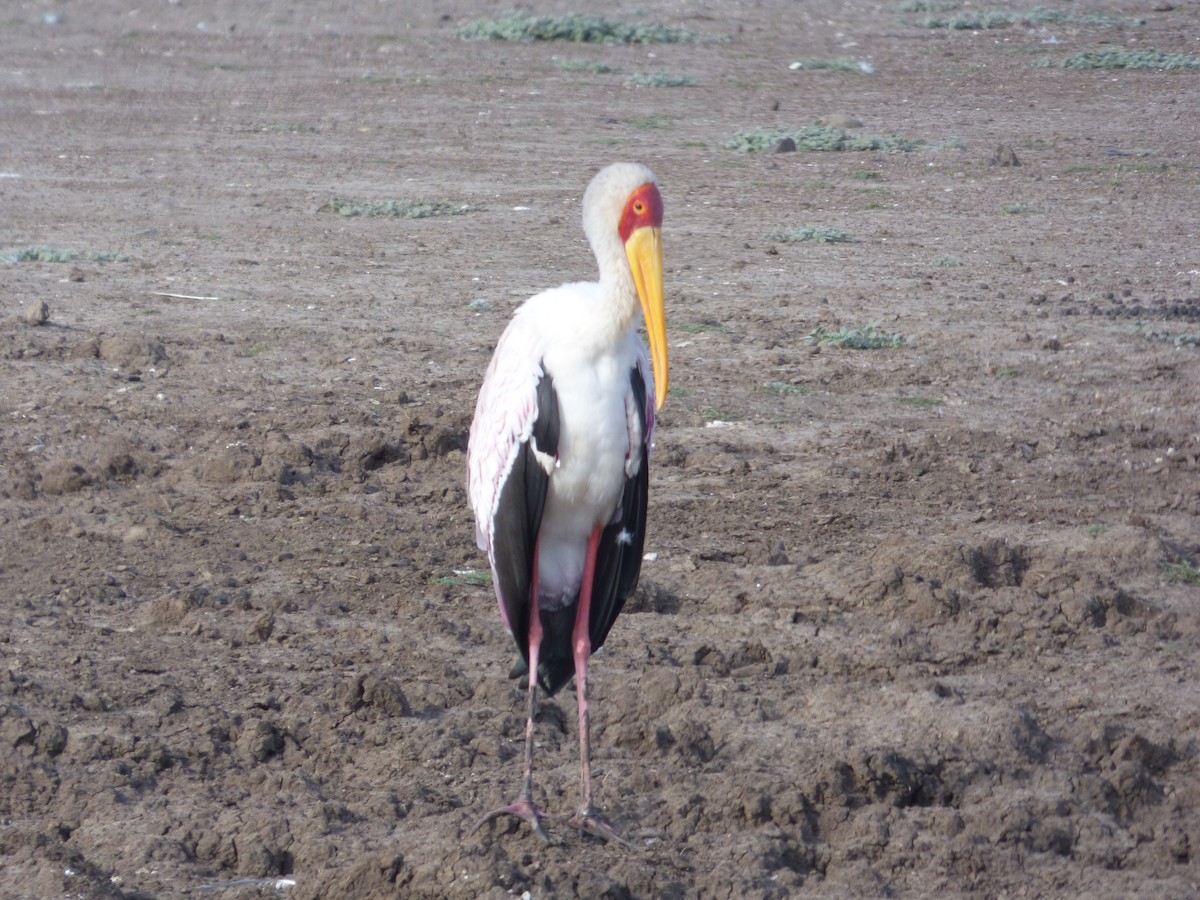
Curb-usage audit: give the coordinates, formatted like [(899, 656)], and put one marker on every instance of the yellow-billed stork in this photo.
[(558, 458)]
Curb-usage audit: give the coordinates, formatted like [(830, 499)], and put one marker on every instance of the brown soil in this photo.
[(910, 627)]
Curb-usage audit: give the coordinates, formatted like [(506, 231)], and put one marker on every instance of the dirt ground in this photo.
[(914, 622)]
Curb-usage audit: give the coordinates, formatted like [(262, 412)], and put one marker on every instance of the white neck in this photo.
[(619, 296)]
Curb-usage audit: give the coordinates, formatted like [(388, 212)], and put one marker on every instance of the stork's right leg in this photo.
[(524, 807)]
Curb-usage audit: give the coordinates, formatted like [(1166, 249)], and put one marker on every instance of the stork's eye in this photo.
[(639, 207)]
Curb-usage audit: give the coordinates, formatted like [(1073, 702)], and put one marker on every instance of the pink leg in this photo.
[(587, 819), (524, 807)]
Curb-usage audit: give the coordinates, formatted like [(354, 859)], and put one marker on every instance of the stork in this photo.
[(558, 458)]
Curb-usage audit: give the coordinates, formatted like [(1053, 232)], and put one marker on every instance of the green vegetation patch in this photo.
[(810, 233), (579, 29), (464, 578), (399, 209), (57, 255), (1039, 15), (1178, 339), (928, 6), (1116, 58), (920, 402), (946, 262), (868, 337), (660, 79), (818, 138)]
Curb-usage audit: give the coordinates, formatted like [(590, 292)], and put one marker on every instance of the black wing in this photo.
[(519, 514), (619, 557)]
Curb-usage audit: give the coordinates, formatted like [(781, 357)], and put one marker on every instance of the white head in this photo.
[(604, 202), (622, 217)]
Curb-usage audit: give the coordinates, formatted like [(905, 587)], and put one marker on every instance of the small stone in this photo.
[(260, 629), (1004, 156), (135, 534), (37, 313), (840, 120), (261, 740)]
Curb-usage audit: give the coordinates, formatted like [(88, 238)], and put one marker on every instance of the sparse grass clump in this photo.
[(400, 209), (653, 120), (810, 233), (817, 138), (980, 21), (1039, 15), (660, 79), (571, 64), (951, 143), (719, 415), (783, 388), (1020, 209), (1181, 573), (946, 262), (579, 29), (1117, 58), (57, 255), (868, 337)]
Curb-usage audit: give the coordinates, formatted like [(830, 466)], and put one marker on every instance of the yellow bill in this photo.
[(644, 249)]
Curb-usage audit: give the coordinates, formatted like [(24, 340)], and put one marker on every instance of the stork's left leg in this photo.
[(587, 819)]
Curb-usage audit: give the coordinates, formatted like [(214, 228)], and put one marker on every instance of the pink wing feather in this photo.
[(504, 419)]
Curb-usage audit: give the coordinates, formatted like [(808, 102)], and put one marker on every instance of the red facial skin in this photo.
[(643, 208)]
